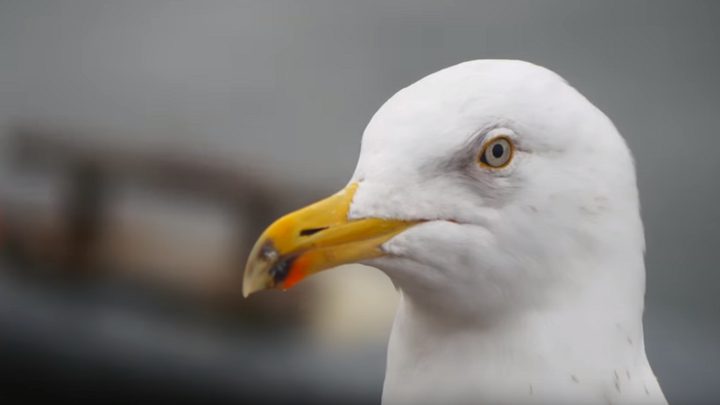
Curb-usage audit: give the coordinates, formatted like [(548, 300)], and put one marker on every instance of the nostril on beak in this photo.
[(312, 231)]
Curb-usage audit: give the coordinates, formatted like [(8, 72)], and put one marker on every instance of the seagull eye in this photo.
[(497, 153)]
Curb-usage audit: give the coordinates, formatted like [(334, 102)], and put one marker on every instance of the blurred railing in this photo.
[(81, 233)]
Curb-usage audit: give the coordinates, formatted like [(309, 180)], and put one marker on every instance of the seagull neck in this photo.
[(536, 358), (595, 330), (536, 332)]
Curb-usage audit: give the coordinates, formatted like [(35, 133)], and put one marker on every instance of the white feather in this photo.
[(526, 284)]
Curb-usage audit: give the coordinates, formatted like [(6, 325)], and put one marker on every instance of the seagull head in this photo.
[(488, 187)]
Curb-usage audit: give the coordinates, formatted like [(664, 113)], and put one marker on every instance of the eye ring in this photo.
[(497, 153)]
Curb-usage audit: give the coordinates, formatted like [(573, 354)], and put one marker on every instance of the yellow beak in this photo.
[(315, 238)]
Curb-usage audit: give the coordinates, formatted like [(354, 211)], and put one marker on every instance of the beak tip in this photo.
[(249, 287), (254, 280), (249, 290)]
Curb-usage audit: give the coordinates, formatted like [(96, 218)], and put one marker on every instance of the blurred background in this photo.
[(145, 144)]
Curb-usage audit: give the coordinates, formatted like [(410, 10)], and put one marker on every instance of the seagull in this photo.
[(504, 207)]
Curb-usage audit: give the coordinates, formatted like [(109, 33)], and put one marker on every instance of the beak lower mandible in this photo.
[(315, 238)]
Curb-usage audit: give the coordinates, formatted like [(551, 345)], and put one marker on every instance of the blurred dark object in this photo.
[(80, 241), (83, 215)]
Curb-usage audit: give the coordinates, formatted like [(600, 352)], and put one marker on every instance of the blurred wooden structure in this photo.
[(82, 237)]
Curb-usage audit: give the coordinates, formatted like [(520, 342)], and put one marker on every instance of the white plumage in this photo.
[(525, 284)]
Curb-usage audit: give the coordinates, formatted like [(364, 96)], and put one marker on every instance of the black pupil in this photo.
[(497, 150)]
